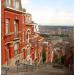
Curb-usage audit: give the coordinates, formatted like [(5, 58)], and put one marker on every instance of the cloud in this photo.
[(25, 2), (50, 16)]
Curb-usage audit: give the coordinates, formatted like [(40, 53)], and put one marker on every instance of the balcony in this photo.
[(16, 37), (11, 37), (8, 37), (28, 23)]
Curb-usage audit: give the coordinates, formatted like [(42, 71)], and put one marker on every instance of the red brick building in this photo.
[(12, 24), (32, 41), (18, 40)]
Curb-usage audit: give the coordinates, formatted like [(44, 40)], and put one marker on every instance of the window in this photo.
[(8, 51), (23, 20), (28, 50), (15, 27), (7, 26), (28, 19), (23, 36), (8, 3), (16, 4), (27, 36), (16, 48)]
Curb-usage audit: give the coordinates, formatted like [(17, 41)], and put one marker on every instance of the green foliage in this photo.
[(62, 59), (44, 56), (63, 35), (44, 35), (48, 35)]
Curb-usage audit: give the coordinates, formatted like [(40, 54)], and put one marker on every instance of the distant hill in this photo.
[(55, 29), (47, 26)]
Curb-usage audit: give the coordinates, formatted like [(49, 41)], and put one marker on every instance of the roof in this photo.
[(40, 38), (37, 37)]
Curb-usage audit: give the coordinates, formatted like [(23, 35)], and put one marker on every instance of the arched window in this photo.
[(27, 36), (28, 50)]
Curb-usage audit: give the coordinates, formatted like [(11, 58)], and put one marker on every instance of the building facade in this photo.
[(11, 22), (18, 38)]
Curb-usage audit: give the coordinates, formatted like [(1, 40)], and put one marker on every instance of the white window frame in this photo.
[(16, 4), (7, 23), (28, 50), (15, 27), (28, 19), (16, 45), (8, 3)]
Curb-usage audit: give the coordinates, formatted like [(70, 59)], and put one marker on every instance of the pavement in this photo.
[(42, 70)]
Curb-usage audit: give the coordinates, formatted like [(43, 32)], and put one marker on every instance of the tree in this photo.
[(44, 55)]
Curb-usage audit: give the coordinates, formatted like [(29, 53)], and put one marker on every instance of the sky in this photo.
[(50, 12)]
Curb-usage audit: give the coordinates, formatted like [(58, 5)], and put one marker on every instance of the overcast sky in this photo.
[(50, 11)]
